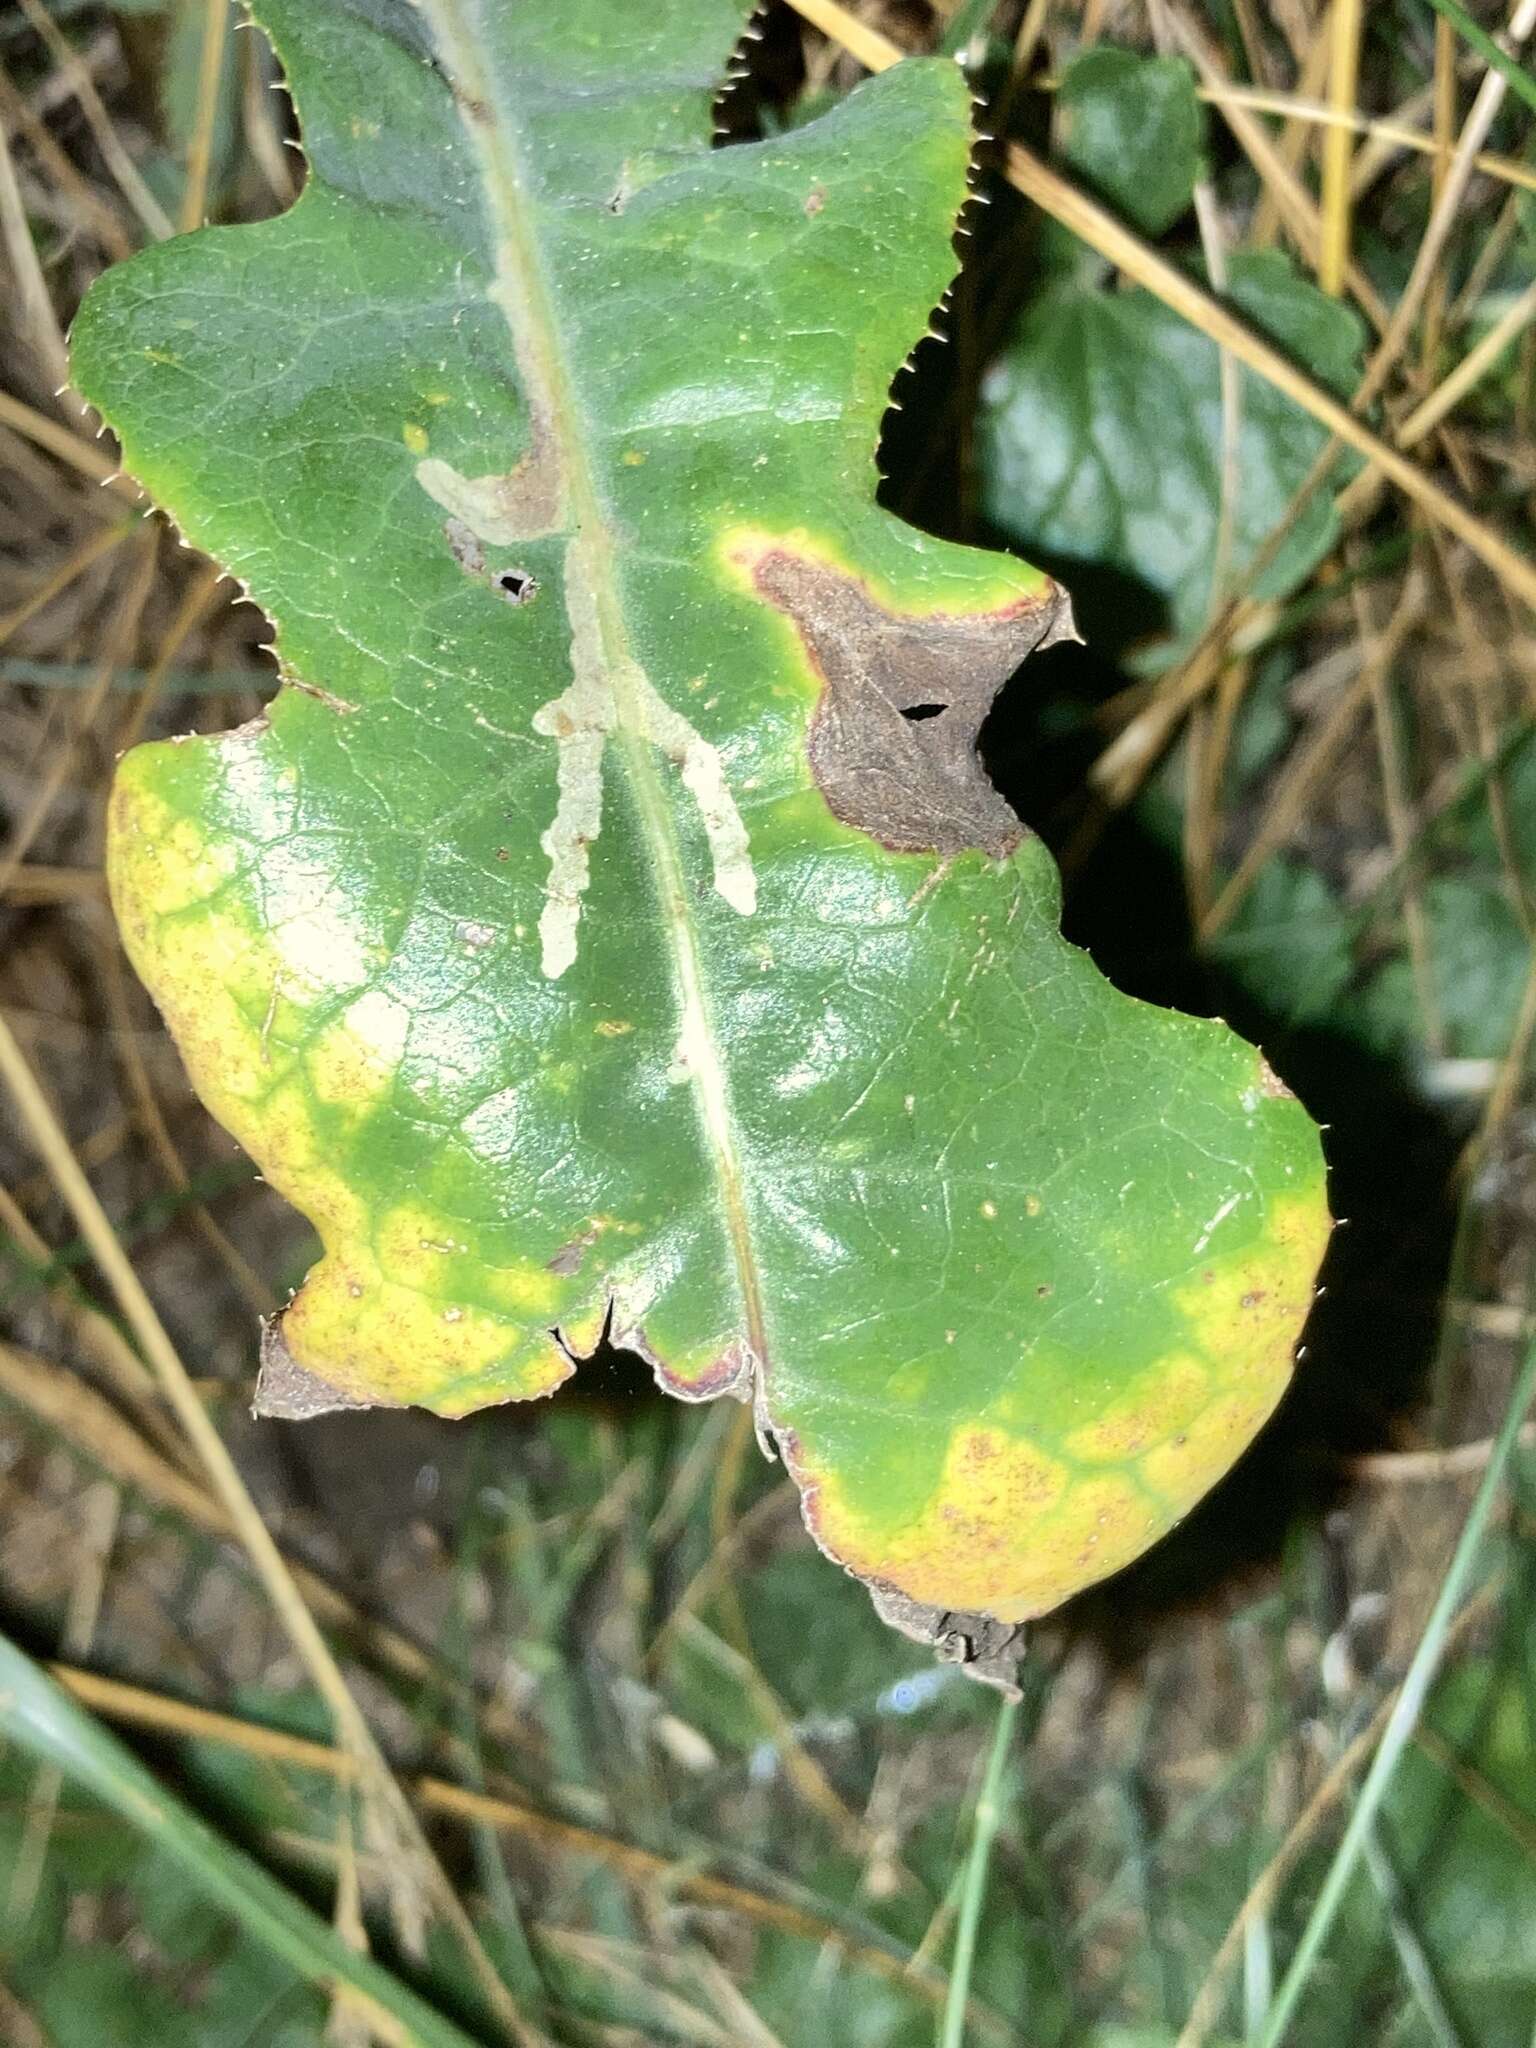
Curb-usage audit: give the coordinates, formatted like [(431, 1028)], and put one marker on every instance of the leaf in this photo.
[(588, 940), (1131, 127), (1100, 435), (1297, 946), (1291, 943)]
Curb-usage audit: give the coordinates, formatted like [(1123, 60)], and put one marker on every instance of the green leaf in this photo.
[(1131, 127), (1100, 436), (1295, 945), (1291, 942), (587, 939)]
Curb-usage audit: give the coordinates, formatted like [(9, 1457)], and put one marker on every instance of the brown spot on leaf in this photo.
[(732, 1374), (571, 1257), (524, 503), (342, 706), (1271, 1083), (815, 200), (984, 1649), (892, 744), (464, 546), (289, 1392)]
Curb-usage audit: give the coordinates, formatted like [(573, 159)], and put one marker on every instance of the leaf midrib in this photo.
[(542, 359)]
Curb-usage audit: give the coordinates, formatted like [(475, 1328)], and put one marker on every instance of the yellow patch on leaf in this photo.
[(1017, 1524), (377, 1317)]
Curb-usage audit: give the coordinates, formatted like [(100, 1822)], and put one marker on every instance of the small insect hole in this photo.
[(516, 585), (917, 711)]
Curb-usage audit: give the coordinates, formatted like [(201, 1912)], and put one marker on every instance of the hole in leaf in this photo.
[(516, 585), (917, 711)]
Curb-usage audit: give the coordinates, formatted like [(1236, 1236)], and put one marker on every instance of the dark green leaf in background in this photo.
[(1100, 435), (1131, 128)]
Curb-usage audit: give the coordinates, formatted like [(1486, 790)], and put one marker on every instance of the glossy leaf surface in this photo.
[(589, 937)]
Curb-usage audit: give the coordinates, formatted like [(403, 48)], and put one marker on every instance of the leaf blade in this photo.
[(589, 933)]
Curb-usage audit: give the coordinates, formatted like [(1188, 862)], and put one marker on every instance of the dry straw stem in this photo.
[(1400, 830), (83, 87), (1245, 622), (35, 315), (85, 557), (876, 52), (210, 70), (1031, 28), (62, 747), (1470, 371), (411, 1859), (1092, 224), (97, 1334), (91, 1426), (38, 882), (1392, 134), (94, 1536), (809, 1780), (1102, 232), (86, 203), (1344, 24), (1391, 1468), (1295, 138), (1288, 805), (1277, 172), (1443, 104), (263, 136), (1515, 1822), (1120, 768), (723, 1561), (1512, 1076), (135, 1706), (1447, 204), (69, 448), (20, 2029)]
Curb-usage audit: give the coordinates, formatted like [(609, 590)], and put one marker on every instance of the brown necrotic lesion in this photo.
[(892, 743)]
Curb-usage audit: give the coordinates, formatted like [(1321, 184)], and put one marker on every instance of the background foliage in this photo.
[(718, 1803)]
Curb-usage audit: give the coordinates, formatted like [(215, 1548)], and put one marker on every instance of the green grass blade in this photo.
[(35, 1713), (1405, 1714), (1514, 74), (984, 1826)]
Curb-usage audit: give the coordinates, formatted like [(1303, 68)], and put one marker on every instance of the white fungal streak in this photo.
[(704, 779), (1214, 1225), (577, 821), (580, 721), (480, 501)]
